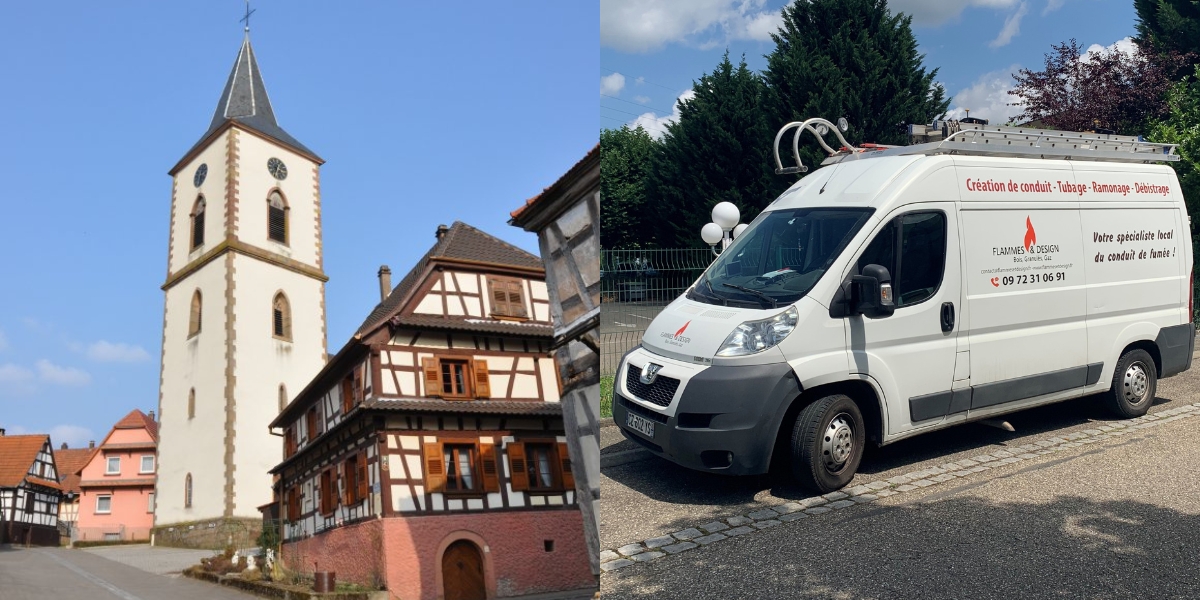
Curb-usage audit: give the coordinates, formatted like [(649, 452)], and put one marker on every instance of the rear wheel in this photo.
[(1134, 384), (828, 438)]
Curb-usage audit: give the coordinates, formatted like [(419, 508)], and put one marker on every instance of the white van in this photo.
[(899, 291)]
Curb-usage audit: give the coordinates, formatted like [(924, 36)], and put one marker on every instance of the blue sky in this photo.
[(425, 112), (652, 51)]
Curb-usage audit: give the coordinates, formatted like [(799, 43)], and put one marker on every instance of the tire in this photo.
[(828, 438), (1134, 384)]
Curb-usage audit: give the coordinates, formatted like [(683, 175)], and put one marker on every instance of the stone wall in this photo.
[(212, 534), (354, 552)]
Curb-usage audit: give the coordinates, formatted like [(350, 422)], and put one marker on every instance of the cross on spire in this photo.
[(246, 19)]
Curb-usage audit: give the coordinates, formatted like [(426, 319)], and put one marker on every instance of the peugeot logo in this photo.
[(650, 373)]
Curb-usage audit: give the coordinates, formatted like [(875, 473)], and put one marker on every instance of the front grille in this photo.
[(641, 410), (659, 393)]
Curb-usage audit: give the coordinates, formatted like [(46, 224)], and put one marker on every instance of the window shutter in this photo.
[(516, 304), (277, 226), (278, 322), (435, 469), (499, 297), (363, 487), (349, 487), (483, 385), (491, 479), (564, 459), (433, 379), (516, 460), (347, 395)]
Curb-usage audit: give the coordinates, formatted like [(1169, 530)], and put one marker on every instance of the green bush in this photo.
[(606, 396)]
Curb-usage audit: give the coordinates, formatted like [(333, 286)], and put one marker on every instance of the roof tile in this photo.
[(17, 453)]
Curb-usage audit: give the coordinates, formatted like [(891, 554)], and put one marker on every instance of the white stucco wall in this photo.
[(255, 184), (193, 445), (213, 189)]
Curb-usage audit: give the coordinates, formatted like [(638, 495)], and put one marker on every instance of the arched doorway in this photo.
[(462, 572)]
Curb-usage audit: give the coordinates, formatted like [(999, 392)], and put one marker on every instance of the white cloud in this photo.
[(52, 373), (640, 80), (641, 99), (10, 373), (103, 351), (937, 12), (988, 98), (1125, 45), (74, 435), (648, 25), (655, 125), (1053, 5), (1012, 26), (611, 85)]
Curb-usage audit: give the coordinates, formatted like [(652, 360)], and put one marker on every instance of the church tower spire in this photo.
[(244, 322)]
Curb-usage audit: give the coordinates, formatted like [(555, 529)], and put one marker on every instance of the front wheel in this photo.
[(1134, 384), (828, 438)]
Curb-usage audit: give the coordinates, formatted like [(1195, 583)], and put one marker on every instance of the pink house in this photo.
[(117, 484)]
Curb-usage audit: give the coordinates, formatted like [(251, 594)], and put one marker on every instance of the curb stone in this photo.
[(773, 516)]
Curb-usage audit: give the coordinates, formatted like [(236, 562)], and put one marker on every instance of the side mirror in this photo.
[(871, 293)]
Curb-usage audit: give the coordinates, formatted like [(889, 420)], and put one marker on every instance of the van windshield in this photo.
[(779, 257)]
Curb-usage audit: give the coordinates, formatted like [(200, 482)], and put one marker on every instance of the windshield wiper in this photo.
[(715, 295), (774, 304)]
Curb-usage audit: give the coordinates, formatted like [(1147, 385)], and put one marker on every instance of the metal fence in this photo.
[(635, 285)]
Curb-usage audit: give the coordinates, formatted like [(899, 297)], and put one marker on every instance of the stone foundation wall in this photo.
[(212, 534)]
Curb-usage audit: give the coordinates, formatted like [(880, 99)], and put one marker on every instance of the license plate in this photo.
[(640, 424)]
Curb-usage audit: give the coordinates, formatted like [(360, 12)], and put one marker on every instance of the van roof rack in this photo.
[(957, 137)]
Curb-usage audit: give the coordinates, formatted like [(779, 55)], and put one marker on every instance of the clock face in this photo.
[(201, 173), (277, 169)]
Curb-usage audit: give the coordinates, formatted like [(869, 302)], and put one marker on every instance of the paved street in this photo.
[(38, 573), (1073, 504)]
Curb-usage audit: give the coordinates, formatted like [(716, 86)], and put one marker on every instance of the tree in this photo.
[(1169, 26), (624, 166), (1182, 126), (1106, 89), (719, 150), (853, 59)]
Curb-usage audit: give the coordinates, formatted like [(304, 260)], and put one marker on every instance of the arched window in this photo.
[(194, 318), (277, 210), (192, 403), (198, 223), (283, 397), (187, 491), (281, 317)]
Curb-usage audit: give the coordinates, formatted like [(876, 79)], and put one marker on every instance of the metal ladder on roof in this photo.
[(954, 137)]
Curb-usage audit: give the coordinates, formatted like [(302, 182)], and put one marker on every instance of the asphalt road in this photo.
[(40, 573), (1109, 520)]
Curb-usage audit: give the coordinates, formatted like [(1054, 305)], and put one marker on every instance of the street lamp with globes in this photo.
[(724, 228)]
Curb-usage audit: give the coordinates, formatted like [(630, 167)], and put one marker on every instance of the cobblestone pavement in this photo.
[(653, 509), (39, 573), (158, 560)]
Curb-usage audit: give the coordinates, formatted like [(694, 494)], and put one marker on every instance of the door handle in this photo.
[(947, 316)]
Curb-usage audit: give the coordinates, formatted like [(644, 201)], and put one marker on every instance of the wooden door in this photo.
[(462, 572)]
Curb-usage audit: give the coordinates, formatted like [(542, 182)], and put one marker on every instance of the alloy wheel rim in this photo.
[(837, 443)]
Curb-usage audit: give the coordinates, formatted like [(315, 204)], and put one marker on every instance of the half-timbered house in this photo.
[(428, 456), (69, 462), (29, 490)]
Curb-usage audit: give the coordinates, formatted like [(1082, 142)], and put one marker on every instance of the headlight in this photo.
[(753, 337)]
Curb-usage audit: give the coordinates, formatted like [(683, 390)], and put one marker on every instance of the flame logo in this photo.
[(681, 329), (1030, 236)]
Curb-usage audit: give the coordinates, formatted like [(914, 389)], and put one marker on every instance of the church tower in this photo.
[(244, 321)]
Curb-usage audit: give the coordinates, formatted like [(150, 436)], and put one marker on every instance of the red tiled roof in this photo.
[(138, 420), (17, 453), (69, 463), (107, 483), (571, 173), (475, 324)]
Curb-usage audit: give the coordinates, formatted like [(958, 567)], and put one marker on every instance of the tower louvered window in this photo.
[(277, 210), (281, 318), (198, 223)]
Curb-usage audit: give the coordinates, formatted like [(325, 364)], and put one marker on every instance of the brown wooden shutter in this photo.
[(348, 474), (483, 385), (491, 477), (435, 468), (347, 394), (516, 303), (564, 459), (499, 297), (433, 379), (363, 487), (516, 460)]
